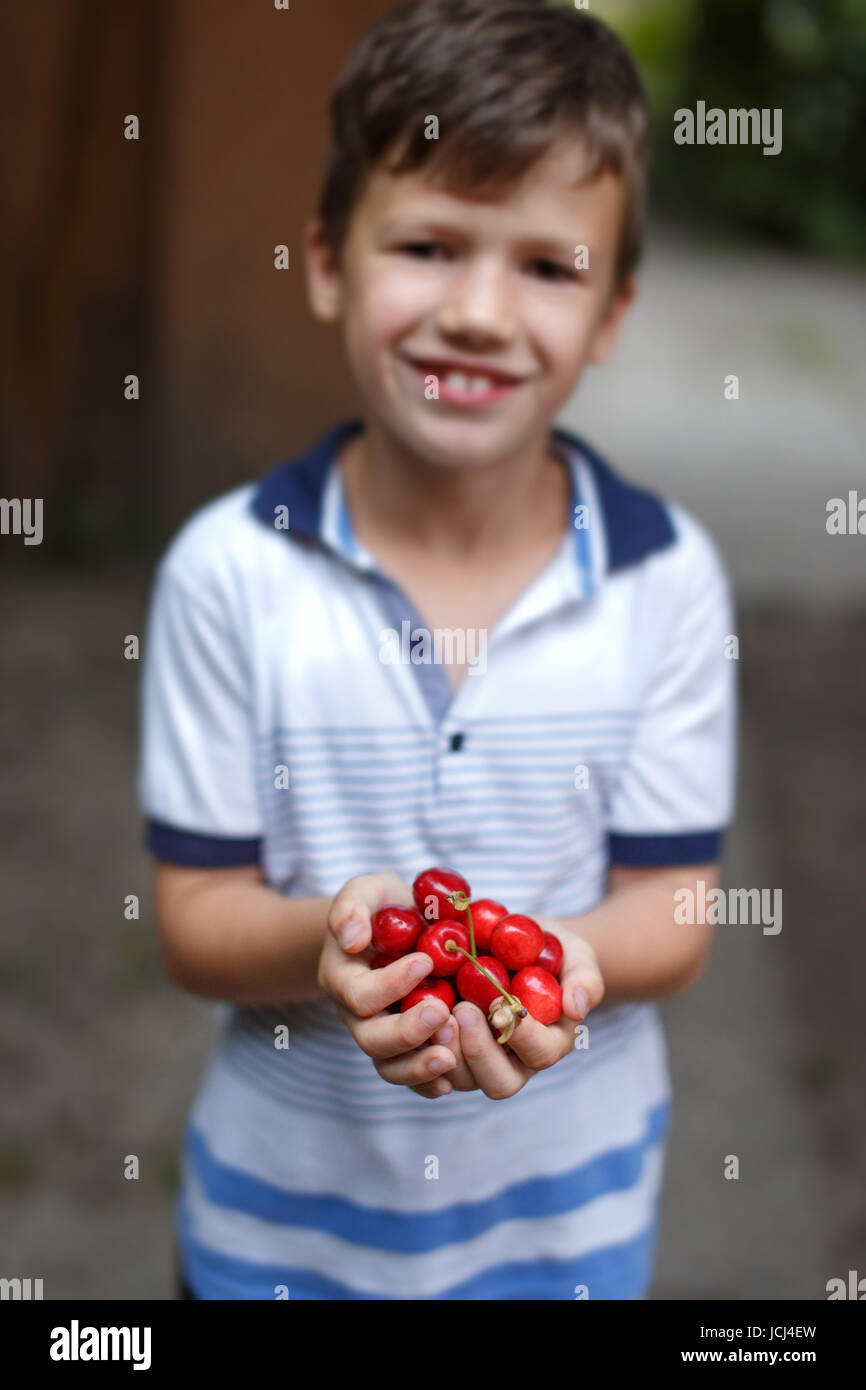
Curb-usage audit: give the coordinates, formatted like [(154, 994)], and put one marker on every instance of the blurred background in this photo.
[(155, 257)]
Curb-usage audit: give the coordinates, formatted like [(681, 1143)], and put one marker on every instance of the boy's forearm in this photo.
[(246, 943), (643, 953)]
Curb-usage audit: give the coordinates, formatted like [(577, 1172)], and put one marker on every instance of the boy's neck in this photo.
[(461, 515)]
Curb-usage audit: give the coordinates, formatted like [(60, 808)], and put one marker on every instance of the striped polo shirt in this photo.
[(293, 716)]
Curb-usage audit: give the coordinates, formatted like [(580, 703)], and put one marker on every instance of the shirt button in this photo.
[(456, 743)]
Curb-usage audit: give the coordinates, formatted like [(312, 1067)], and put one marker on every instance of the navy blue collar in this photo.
[(636, 522)]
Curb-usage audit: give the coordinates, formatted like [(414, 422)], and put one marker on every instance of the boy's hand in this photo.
[(363, 995), (500, 1071)]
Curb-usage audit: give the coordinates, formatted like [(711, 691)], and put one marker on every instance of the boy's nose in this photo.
[(477, 309)]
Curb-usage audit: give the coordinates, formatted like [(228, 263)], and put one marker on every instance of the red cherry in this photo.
[(475, 988), (395, 930), (433, 941), (516, 941), (431, 890), (485, 914), (539, 992), (429, 989), (379, 962), (550, 955)]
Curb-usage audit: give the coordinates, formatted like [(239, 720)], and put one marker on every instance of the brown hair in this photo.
[(504, 78)]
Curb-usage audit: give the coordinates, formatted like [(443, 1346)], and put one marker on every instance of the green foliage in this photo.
[(806, 57)]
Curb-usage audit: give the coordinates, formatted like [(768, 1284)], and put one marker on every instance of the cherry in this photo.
[(429, 989), (433, 941), (485, 914), (431, 891), (539, 992), (516, 941), (475, 988), (395, 930), (550, 955), (380, 962)]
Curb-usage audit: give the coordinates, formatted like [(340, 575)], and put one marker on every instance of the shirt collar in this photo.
[(616, 524)]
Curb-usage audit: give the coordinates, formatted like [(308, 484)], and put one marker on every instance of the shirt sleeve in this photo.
[(196, 779), (675, 796)]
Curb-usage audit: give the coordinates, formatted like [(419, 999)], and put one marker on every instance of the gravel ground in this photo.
[(766, 1051)]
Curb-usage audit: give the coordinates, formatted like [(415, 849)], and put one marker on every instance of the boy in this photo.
[(296, 779)]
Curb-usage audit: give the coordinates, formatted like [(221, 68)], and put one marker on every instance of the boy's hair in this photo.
[(504, 78)]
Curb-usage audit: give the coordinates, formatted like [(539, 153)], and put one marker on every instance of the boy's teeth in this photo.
[(461, 382)]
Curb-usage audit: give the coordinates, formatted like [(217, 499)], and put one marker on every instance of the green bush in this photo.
[(806, 57)]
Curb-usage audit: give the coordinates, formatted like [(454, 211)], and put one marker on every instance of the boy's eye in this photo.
[(423, 250), (554, 270)]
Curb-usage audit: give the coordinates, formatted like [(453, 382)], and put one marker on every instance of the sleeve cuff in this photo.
[(658, 851), (196, 851)]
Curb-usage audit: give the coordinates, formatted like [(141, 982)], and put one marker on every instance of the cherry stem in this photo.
[(500, 989), (460, 902), (471, 933)]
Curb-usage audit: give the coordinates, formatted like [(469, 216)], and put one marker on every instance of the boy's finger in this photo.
[(498, 1074), (432, 1090), (351, 913), (415, 1068), (582, 990), (539, 1045), (390, 1035), (366, 992), (460, 1077)]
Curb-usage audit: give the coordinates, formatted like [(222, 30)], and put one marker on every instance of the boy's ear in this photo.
[(607, 333), (324, 279)]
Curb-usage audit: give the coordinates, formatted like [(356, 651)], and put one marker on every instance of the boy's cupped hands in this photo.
[(429, 1048)]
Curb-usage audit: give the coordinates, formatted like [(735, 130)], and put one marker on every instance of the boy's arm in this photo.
[(642, 952), (225, 934)]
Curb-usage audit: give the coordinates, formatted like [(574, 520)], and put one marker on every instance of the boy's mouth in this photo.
[(464, 383)]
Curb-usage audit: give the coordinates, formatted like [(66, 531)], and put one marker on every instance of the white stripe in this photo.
[(608, 1221)]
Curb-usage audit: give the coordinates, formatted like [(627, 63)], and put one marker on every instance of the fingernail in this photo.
[(436, 1066), (468, 1018), (581, 1002), (351, 933), (418, 968), (445, 1034), (431, 1016)]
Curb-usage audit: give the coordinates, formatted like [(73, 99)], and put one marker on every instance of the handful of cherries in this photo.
[(516, 975)]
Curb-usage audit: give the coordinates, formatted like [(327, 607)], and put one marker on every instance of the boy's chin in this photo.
[(461, 444)]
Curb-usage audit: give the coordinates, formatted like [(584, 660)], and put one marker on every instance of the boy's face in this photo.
[(431, 284)]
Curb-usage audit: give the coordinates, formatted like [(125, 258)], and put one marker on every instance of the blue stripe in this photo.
[(557, 746), (620, 1272), (531, 765), (199, 851), (656, 851), (394, 819), (344, 529), (581, 538), (414, 1233), (388, 731)]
